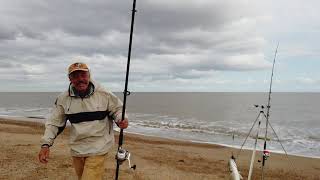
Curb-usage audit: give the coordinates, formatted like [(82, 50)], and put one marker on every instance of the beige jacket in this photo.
[(91, 118)]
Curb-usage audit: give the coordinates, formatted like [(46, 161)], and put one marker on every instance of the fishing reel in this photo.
[(266, 154), (123, 155)]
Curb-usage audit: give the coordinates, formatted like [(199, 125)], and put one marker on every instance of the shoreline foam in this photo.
[(41, 120)]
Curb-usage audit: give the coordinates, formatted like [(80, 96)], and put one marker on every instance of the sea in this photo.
[(225, 118)]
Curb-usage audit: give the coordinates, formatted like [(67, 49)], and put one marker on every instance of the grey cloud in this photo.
[(7, 34), (171, 38), (173, 16), (6, 64), (80, 18)]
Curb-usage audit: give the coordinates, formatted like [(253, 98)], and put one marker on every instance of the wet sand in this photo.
[(156, 158)]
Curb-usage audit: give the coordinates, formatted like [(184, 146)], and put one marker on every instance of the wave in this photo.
[(297, 140)]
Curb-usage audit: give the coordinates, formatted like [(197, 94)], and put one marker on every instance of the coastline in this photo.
[(156, 158), (236, 147)]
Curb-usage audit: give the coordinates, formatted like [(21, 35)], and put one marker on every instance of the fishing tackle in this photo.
[(264, 157), (265, 152), (123, 154)]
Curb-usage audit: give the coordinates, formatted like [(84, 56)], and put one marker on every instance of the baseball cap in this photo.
[(78, 66)]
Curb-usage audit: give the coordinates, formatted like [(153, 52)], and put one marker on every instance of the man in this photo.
[(91, 110)]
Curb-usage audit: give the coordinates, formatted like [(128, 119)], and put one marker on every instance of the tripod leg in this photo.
[(248, 134)]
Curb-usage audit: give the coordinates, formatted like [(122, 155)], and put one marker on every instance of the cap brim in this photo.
[(78, 70)]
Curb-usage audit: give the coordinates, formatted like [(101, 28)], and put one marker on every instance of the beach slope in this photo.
[(156, 158)]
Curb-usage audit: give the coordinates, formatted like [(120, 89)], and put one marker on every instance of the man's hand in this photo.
[(123, 124), (44, 154)]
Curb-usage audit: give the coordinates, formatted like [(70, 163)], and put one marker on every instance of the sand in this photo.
[(156, 158)]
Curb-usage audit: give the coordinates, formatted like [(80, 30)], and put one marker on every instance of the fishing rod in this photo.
[(265, 138), (123, 154), (265, 152)]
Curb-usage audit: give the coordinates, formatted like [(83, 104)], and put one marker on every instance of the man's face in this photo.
[(80, 80)]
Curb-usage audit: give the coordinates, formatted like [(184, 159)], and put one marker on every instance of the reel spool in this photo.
[(123, 155), (266, 154)]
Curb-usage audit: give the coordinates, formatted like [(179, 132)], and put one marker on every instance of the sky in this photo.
[(178, 45)]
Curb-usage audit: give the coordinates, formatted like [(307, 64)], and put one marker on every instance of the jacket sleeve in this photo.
[(115, 107), (54, 124)]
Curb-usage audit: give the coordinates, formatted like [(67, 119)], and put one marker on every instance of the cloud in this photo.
[(307, 81), (173, 40)]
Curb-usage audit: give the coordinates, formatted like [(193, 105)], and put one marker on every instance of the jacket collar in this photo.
[(73, 92)]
